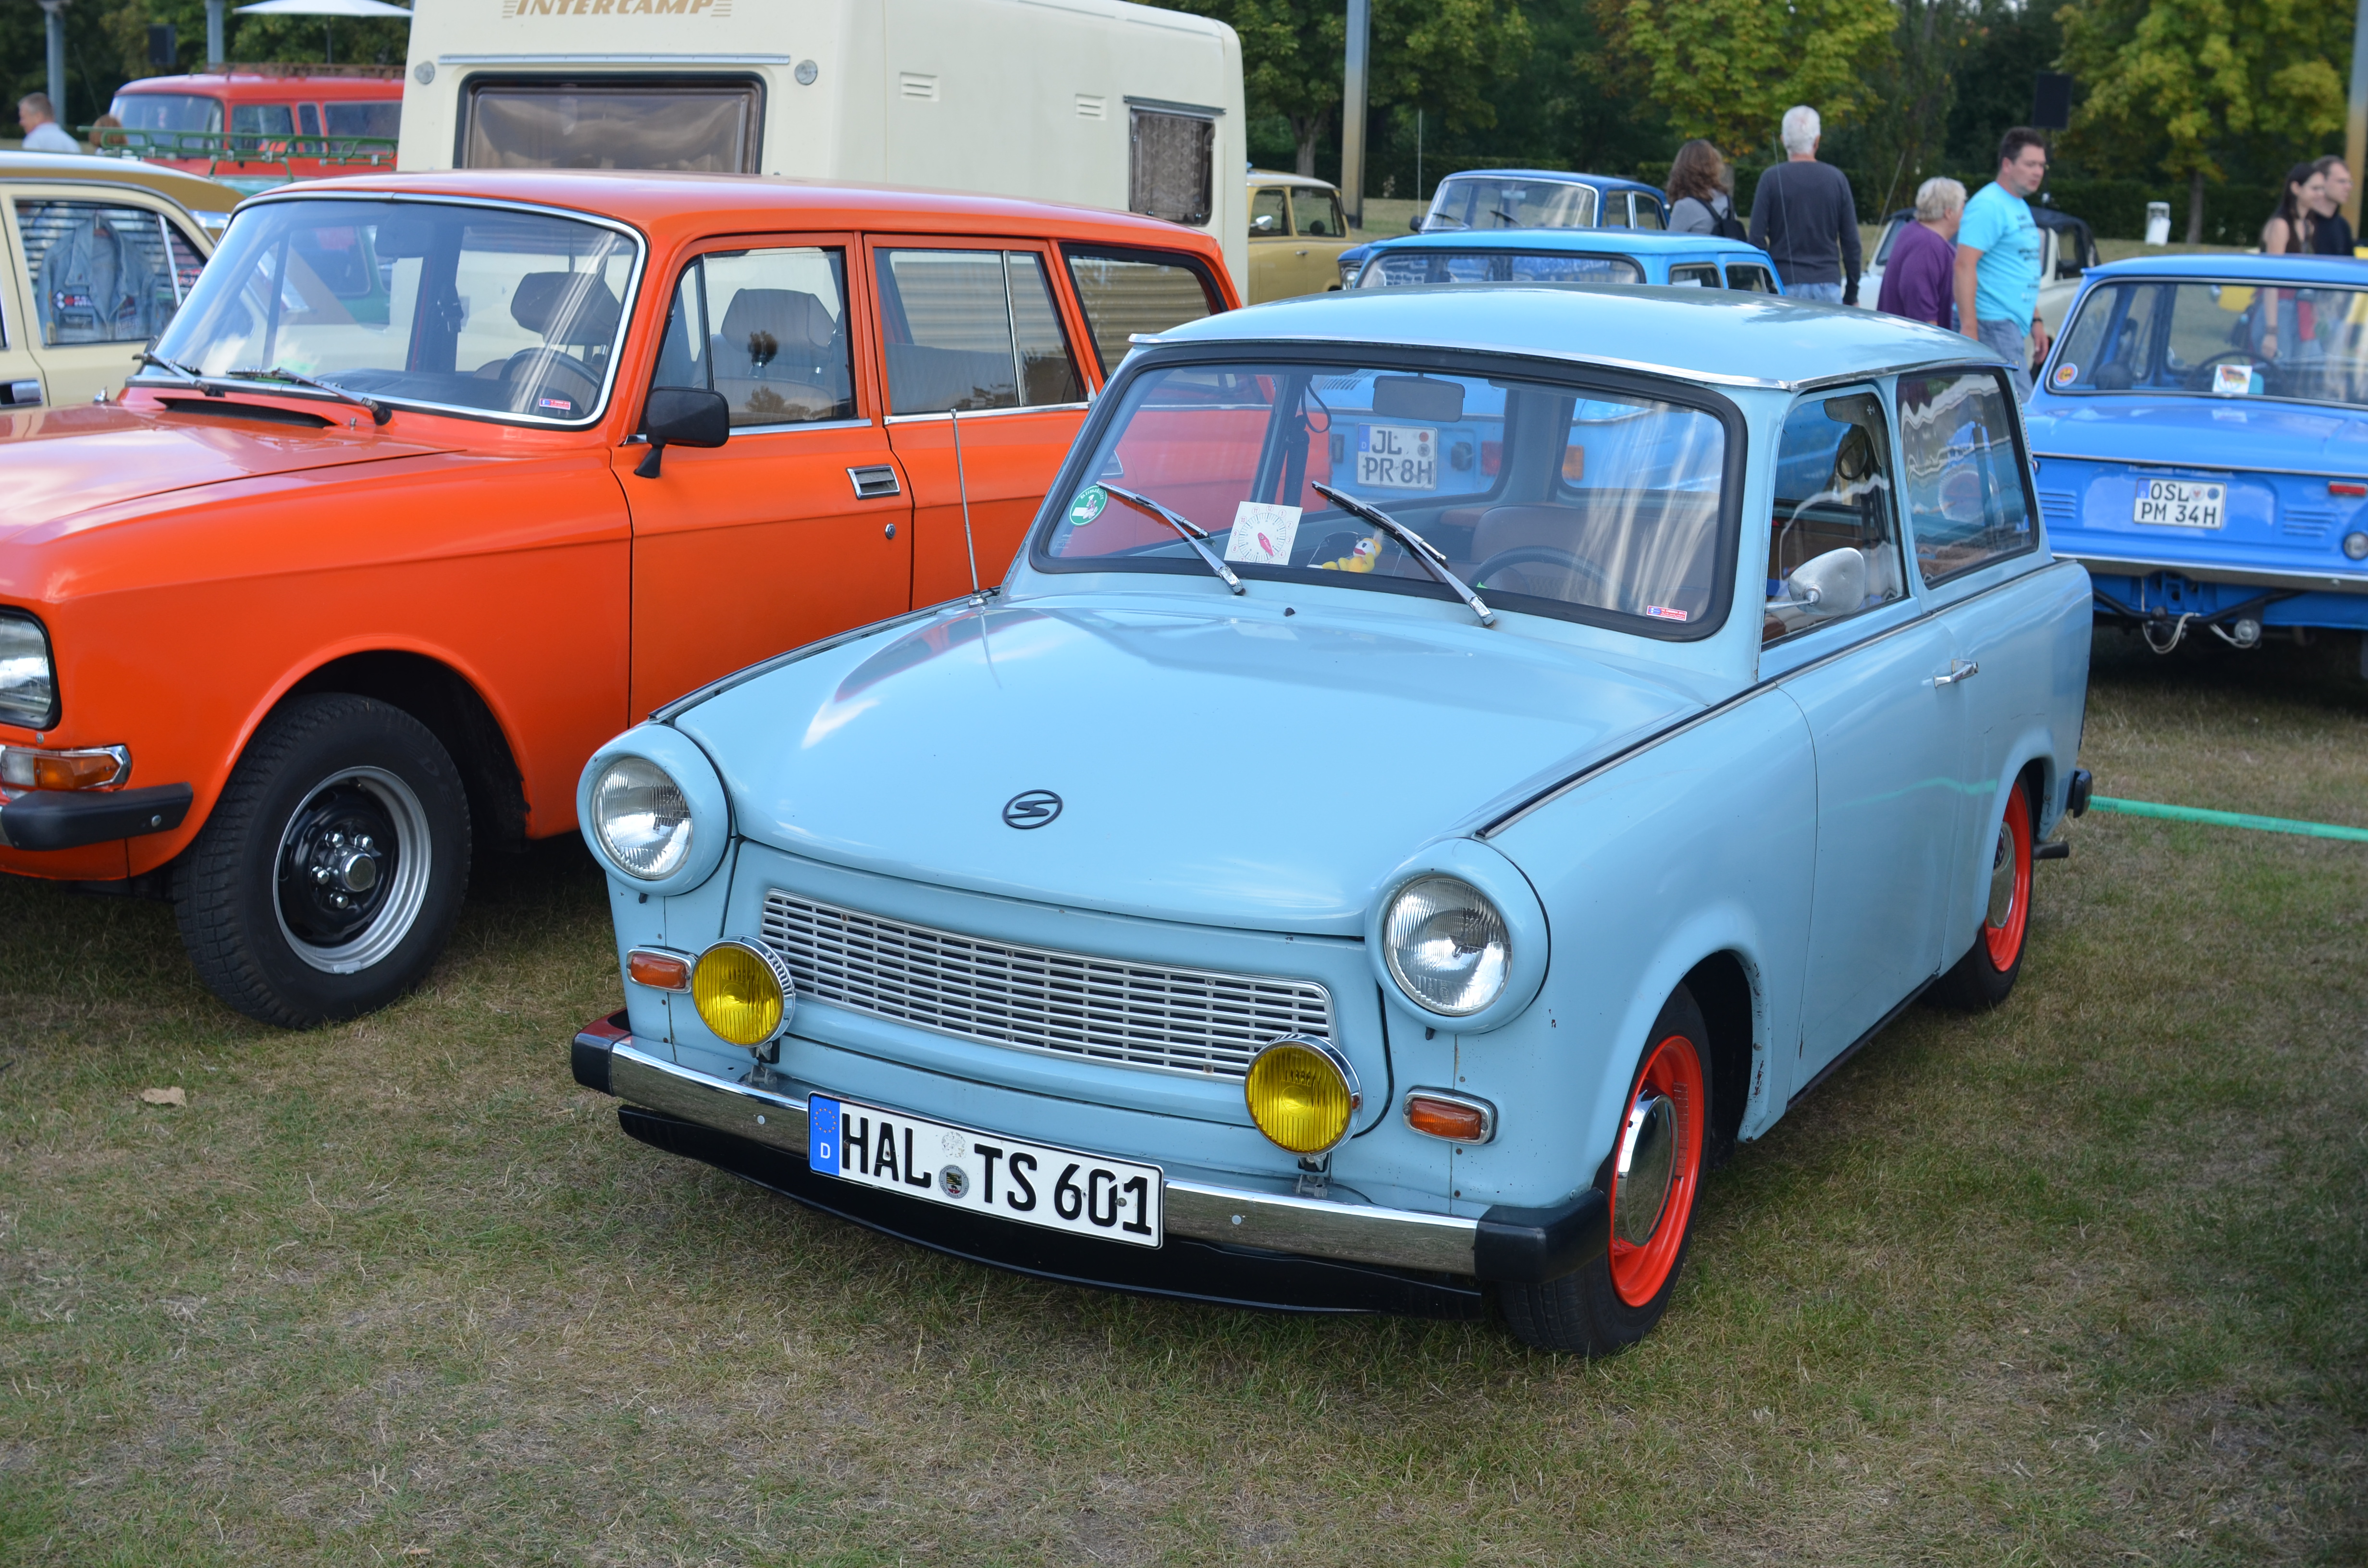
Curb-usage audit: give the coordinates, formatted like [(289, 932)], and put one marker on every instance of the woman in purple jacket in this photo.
[(1919, 279)]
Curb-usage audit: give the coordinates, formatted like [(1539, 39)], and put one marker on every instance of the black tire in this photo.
[(1984, 977), (1587, 1312), (340, 924)]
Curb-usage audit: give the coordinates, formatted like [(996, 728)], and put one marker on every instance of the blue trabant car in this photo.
[(2201, 430), (1565, 256), (1324, 876), (1481, 200)]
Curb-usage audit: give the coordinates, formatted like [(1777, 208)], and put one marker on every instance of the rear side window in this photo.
[(103, 273), (1171, 165), (768, 329), (706, 127), (1698, 275), (262, 119), (1648, 212), (307, 118), (972, 329), (1967, 502), (1749, 278), (383, 119), (1319, 214), (1126, 292)]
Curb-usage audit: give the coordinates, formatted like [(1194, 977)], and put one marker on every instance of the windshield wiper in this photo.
[(211, 388), (380, 412), (1425, 554), (1191, 533)]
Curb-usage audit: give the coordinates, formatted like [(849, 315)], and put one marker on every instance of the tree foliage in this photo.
[(1727, 70)]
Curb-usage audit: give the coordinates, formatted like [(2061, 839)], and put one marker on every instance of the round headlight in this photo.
[(1301, 1094), (2356, 546), (641, 818), (1447, 945), (742, 992)]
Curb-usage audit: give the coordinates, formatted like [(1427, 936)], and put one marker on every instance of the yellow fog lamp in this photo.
[(1301, 1093), (742, 992)]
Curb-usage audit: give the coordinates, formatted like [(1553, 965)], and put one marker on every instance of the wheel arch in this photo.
[(2029, 765), (436, 693)]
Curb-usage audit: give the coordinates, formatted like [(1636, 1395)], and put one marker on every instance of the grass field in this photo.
[(2078, 1282)]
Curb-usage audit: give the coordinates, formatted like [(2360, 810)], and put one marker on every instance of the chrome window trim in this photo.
[(990, 412), (638, 438), (626, 305)]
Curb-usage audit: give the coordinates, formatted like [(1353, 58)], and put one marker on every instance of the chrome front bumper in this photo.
[(1505, 1245)]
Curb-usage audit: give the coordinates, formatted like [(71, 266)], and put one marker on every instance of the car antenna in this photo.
[(962, 485)]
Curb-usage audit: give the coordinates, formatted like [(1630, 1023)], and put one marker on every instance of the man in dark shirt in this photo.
[(2331, 233), (1803, 215), (1919, 278)]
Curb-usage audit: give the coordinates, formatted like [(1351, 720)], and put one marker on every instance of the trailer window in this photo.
[(1169, 174), (1123, 293), (706, 127)]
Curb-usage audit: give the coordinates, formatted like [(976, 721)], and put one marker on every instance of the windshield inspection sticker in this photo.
[(2232, 381), (1088, 505), (1262, 534), (2066, 373)]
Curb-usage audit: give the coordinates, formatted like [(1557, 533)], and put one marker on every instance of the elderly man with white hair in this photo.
[(1803, 215), (1919, 280)]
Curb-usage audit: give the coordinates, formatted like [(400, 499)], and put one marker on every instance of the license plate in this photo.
[(2180, 504), (1397, 457), (1035, 1184)]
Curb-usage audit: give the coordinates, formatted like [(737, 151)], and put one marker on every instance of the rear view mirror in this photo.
[(1417, 397), (682, 417)]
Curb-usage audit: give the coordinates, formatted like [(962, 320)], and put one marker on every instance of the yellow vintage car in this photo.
[(96, 256), (1296, 235)]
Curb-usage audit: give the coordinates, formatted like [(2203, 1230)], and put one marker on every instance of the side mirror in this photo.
[(682, 417), (1262, 223), (1414, 222), (1831, 583)]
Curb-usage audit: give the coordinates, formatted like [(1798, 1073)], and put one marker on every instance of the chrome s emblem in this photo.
[(1031, 808)]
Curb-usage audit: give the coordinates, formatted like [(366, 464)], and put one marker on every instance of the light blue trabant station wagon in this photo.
[(1446, 765)]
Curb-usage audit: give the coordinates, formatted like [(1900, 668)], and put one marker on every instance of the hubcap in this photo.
[(1648, 1158), (2002, 878), (352, 868)]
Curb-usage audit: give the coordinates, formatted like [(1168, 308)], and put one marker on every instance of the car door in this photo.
[(1319, 233), (1270, 245), (984, 393), (103, 274), (799, 524), (1844, 634)]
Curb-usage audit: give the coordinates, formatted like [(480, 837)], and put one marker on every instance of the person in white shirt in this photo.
[(42, 131)]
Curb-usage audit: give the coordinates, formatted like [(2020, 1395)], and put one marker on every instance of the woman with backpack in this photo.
[(1699, 183)]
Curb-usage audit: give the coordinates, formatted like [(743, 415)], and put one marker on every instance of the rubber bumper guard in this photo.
[(58, 819)]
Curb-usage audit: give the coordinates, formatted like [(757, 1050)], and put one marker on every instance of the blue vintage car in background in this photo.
[(1568, 256), (1331, 876), (1485, 199), (2201, 430)]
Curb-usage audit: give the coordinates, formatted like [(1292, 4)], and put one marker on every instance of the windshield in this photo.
[(1545, 496), (1489, 201), (1395, 269), (2217, 340), (478, 308), (166, 111)]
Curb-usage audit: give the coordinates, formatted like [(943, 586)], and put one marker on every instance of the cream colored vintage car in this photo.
[(1296, 235)]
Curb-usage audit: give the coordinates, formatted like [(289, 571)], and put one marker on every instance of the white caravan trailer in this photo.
[(1090, 101)]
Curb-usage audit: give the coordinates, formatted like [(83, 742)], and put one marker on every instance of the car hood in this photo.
[(2206, 432), (56, 463), (1240, 768)]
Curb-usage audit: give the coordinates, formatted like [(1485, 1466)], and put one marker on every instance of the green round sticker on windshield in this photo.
[(1088, 505)]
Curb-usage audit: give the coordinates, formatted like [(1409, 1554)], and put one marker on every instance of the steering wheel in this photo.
[(2199, 375), (1539, 555), (541, 363)]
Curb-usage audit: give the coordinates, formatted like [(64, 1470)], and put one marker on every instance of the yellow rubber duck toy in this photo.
[(1361, 559)]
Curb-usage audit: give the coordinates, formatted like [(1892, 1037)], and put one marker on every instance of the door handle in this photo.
[(1958, 672), (1299, 253)]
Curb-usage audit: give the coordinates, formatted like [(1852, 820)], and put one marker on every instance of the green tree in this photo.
[(1727, 70), (2196, 81), (1446, 56)]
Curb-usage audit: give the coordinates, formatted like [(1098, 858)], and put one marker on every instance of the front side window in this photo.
[(1833, 548), (711, 127), (1967, 503), (499, 310), (972, 329), (1269, 213), (1749, 278), (2217, 340), (1488, 201), (1318, 212), (1128, 293), (168, 111), (767, 330), (103, 273), (1397, 268), (1171, 159), (1545, 495)]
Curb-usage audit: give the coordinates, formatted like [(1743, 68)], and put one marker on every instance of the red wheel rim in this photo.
[(1639, 1270), (2002, 934)]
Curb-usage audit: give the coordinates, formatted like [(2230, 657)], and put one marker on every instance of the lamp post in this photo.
[(215, 48), (2355, 124), (53, 18), (1352, 110)]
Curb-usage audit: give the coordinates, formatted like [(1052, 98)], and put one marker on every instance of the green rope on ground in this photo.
[(2230, 819)]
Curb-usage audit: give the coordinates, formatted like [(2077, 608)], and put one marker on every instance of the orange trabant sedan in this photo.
[(435, 482)]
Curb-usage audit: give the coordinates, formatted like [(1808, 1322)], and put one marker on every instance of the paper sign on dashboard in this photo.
[(1262, 534)]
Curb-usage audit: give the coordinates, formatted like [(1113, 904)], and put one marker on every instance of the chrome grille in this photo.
[(1140, 1014)]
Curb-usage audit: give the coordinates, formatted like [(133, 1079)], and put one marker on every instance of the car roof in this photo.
[(1632, 241), (187, 191), (1305, 182), (1700, 335), (265, 82), (675, 206), (1557, 177), (2245, 265)]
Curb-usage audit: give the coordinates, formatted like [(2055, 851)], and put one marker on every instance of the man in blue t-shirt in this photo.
[(1998, 259)]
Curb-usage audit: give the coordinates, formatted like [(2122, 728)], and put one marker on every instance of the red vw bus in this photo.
[(252, 127)]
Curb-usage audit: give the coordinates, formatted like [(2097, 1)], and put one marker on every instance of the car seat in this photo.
[(780, 354)]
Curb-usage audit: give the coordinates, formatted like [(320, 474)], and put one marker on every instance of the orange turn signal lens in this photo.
[(665, 971), (1458, 1119), (98, 767)]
